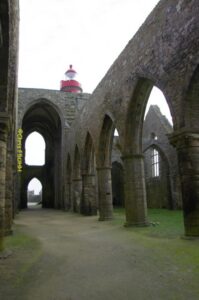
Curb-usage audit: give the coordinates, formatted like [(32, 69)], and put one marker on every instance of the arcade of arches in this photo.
[(86, 167)]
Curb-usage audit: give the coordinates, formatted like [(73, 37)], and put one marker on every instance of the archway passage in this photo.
[(44, 118), (135, 185), (117, 175), (104, 169), (34, 193)]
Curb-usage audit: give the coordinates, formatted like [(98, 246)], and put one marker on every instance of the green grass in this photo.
[(164, 223), (25, 252), (164, 238), (19, 240)]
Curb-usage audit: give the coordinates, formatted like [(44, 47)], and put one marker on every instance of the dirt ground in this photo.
[(79, 258)]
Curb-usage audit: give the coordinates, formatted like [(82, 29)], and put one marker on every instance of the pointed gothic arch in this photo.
[(104, 169), (43, 118)]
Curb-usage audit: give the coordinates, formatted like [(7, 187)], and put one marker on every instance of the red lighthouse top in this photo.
[(70, 85)]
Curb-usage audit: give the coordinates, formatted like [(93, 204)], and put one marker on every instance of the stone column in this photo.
[(3, 150), (105, 193), (77, 194), (9, 193), (187, 146), (135, 190), (68, 200), (89, 203)]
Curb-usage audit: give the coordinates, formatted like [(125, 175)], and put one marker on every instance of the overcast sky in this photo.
[(89, 34)]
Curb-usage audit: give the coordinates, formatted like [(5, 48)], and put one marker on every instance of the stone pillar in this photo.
[(68, 200), (77, 194), (3, 150), (9, 203), (135, 190), (187, 146), (89, 203), (105, 193)]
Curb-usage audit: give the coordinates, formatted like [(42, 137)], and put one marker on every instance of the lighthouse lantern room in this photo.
[(70, 85)]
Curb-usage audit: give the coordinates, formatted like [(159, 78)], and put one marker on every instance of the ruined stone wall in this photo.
[(164, 52), (164, 190), (51, 113), (67, 103)]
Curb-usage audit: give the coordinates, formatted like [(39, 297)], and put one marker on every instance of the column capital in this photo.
[(184, 138)]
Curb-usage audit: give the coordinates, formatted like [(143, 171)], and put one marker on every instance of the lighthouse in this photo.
[(70, 85)]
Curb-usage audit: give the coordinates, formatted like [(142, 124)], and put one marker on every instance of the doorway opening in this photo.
[(34, 193)]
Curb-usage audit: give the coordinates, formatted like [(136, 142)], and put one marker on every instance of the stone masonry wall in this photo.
[(66, 103)]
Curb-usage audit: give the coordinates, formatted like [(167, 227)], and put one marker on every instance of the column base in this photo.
[(142, 224), (190, 237), (8, 232)]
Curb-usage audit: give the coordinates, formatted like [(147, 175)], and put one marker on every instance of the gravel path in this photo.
[(84, 259)]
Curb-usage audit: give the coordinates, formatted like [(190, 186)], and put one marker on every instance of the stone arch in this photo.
[(104, 169), (25, 183), (44, 101), (39, 199), (135, 189), (105, 142), (43, 118), (135, 115), (89, 195), (68, 199), (77, 181), (37, 151)]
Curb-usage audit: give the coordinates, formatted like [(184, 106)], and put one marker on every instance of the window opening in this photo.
[(155, 163), (35, 149)]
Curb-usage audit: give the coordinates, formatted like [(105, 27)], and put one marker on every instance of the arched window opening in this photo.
[(155, 162), (34, 192), (157, 98), (35, 149), (117, 175), (116, 132)]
